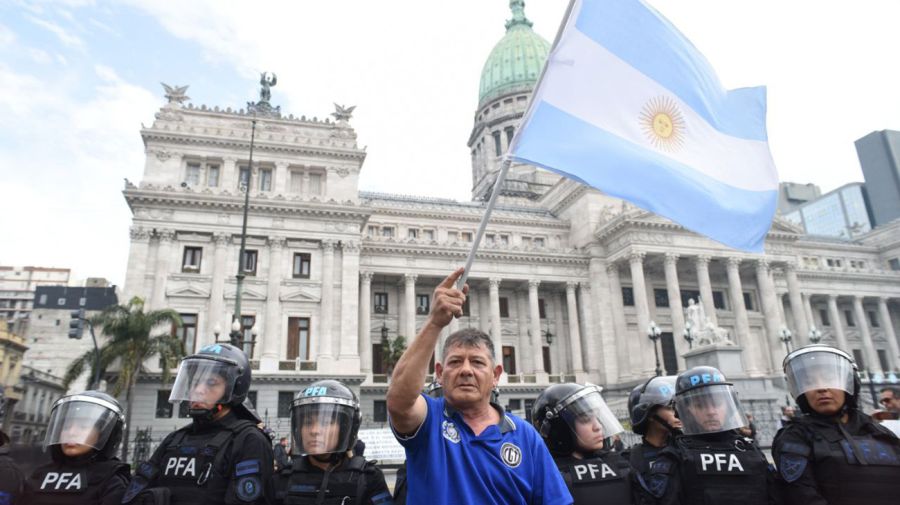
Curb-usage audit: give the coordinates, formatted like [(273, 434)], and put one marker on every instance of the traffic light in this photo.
[(76, 325)]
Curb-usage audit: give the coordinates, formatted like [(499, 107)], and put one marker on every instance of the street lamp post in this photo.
[(786, 337), (815, 335), (653, 332), (689, 334), (236, 337)]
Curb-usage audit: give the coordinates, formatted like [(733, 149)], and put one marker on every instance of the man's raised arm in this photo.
[(405, 404)]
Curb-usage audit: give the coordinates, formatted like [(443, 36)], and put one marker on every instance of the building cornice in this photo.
[(435, 250)]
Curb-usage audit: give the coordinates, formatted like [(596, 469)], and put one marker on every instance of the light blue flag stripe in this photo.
[(735, 217), (637, 34)]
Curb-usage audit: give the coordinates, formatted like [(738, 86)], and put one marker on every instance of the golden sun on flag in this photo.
[(663, 123)]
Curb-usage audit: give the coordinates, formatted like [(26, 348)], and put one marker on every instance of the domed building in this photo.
[(568, 282)]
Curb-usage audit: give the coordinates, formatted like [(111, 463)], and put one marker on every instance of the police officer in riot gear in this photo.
[(653, 417), (222, 457), (574, 422), (833, 453), (711, 462), (324, 425), (12, 480), (83, 435)]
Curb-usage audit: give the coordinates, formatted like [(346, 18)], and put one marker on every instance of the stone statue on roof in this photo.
[(176, 95), (266, 80), (343, 114)]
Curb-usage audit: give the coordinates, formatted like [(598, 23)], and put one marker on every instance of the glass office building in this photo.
[(842, 213)]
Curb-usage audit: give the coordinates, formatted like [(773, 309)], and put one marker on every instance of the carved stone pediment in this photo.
[(301, 295), (188, 291), (248, 294)]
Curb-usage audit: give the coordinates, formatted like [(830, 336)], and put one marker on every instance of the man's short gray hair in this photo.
[(895, 391), (469, 337)]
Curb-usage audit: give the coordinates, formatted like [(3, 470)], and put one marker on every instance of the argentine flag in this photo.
[(627, 105)]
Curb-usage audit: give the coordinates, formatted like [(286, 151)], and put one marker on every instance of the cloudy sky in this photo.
[(79, 77)]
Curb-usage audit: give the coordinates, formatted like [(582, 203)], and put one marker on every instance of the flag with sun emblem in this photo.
[(627, 104)]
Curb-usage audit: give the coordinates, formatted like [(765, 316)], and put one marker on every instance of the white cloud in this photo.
[(7, 36), (64, 36)]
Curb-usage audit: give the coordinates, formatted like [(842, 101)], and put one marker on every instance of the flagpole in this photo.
[(495, 192)]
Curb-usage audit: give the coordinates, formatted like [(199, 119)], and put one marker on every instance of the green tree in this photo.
[(131, 343), (391, 350)]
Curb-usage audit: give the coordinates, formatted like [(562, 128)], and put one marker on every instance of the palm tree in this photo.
[(130, 342)]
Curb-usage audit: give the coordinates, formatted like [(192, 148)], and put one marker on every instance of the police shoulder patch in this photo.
[(249, 488), (135, 487), (792, 466)]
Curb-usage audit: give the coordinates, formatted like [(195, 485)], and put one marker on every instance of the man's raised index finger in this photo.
[(450, 280)]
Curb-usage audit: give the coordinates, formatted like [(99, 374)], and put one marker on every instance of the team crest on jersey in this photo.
[(511, 455), (450, 432)]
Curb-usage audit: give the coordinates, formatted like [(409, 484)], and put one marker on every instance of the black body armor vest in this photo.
[(723, 469), (606, 474), (67, 484), (302, 484)]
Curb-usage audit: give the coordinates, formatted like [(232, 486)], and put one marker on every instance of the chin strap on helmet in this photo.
[(205, 416), (671, 429)]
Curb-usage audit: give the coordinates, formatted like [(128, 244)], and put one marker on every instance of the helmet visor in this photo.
[(321, 427), (818, 370), (659, 391), (82, 422), (204, 381), (589, 418), (709, 409)]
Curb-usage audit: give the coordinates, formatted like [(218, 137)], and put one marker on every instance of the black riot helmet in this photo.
[(563, 411), (646, 397), (706, 403), (819, 366), (218, 374), (90, 418), (325, 419)]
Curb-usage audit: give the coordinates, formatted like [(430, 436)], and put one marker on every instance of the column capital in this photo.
[(671, 258), (165, 235), (831, 297), (366, 276), (495, 282), (350, 246), (762, 264), (883, 299), (702, 260), (410, 278), (327, 245), (585, 287), (571, 285), (636, 257), (277, 243), (790, 266), (734, 262), (220, 238), (230, 159), (139, 234), (533, 283), (612, 269), (281, 164)]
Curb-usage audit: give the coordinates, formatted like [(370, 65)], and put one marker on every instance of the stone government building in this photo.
[(566, 282)]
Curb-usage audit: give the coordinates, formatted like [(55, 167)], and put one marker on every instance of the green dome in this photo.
[(516, 61)]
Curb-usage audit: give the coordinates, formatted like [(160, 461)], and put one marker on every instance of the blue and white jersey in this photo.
[(507, 463)]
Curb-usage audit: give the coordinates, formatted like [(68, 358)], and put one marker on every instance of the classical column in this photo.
[(349, 355), (163, 255), (482, 298), (642, 308), (801, 325), (673, 289), (496, 328), (574, 332), (627, 348), (326, 354), (535, 326), (602, 348), (868, 345), (280, 175), (272, 329), (706, 296), (365, 322), (770, 311), (588, 332), (216, 316), (229, 178), (808, 312), (560, 338), (835, 316), (409, 303), (885, 315), (521, 299), (138, 256), (741, 322)]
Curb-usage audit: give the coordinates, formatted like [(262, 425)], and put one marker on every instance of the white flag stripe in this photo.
[(589, 82)]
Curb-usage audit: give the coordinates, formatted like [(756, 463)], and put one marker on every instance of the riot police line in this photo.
[(691, 451)]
